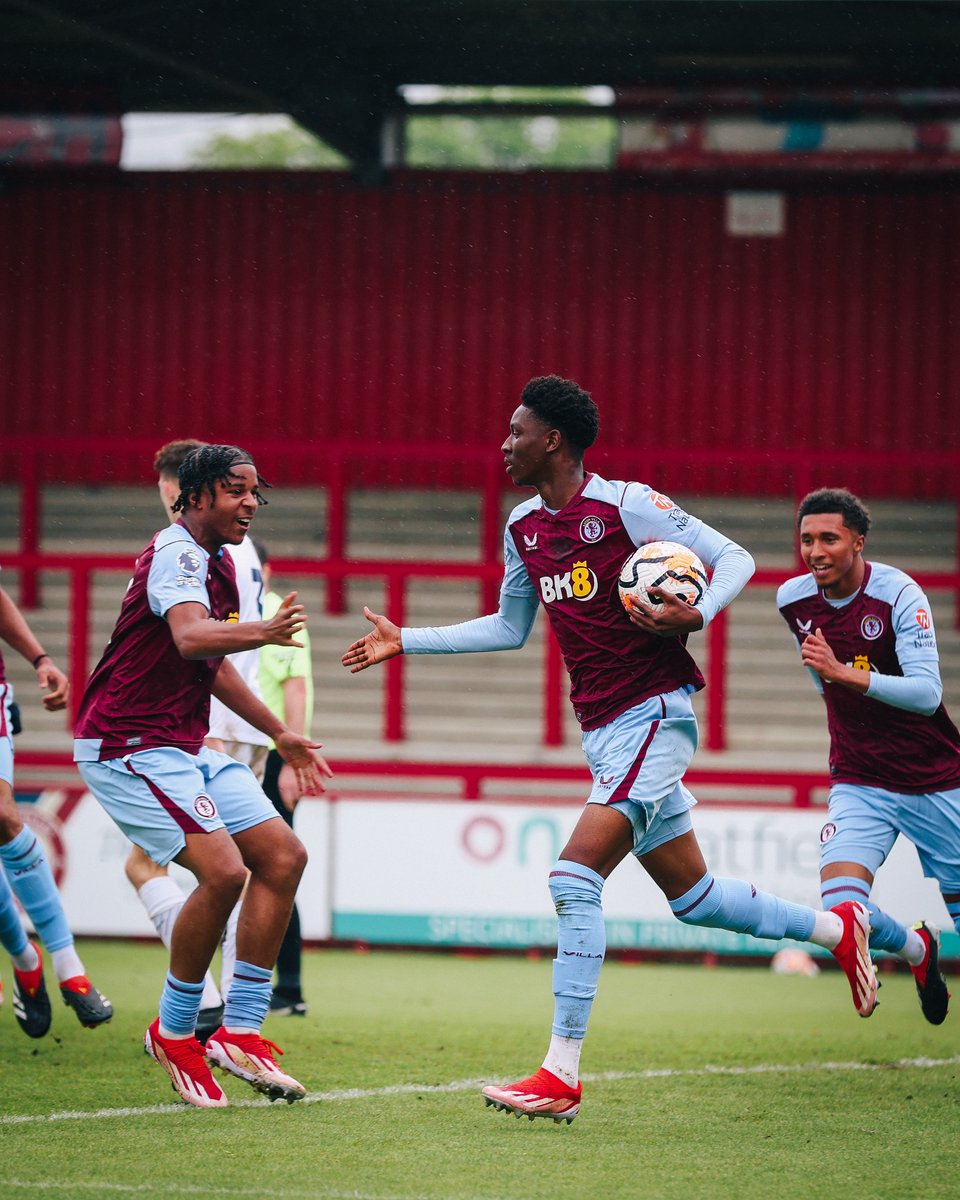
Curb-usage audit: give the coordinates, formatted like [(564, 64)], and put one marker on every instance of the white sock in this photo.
[(29, 960), (827, 929), (563, 1059), (228, 949), (66, 963), (163, 899), (914, 948)]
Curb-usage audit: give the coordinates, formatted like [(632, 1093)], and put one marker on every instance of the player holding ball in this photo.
[(631, 679)]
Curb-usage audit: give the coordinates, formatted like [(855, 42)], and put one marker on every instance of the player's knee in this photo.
[(572, 884)]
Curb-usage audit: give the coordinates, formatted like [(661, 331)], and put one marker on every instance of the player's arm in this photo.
[(298, 751), (730, 564), (919, 689), (15, 631), (197, 635), (506, 629)]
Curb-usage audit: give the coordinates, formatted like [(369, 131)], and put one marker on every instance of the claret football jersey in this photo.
[(570, 561), (885, 625), (143, 693)]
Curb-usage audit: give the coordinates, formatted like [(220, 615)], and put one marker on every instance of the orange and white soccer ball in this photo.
[(665, 565)]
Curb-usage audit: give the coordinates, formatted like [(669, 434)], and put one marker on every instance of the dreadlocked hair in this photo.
[(207, 466)]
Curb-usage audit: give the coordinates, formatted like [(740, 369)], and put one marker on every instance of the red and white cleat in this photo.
[(542, 1095), (853, 954), (183, 1061), (251, 1057)]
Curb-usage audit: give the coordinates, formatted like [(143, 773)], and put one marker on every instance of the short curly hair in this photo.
[(853, 511), (207, 466), (564, 405)]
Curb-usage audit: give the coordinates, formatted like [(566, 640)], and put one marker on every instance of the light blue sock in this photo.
[(13, 936), (738, 906), (954, 910), (885, 932), (32, 880), (179, 1005), (248, 1000), (581, 943)]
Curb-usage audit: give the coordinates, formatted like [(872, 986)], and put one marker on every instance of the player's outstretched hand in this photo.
[(676, 616), (381, 643), (54, 683), (285, 624), (309, 767)]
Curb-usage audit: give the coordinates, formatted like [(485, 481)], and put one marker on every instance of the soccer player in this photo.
[(865, 631), (631, 681), (160, 895), (139, 747), (25, 867)]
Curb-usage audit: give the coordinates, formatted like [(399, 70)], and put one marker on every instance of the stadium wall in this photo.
[(300, 306)]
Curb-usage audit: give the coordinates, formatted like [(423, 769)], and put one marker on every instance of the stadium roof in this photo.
[(336, 65)]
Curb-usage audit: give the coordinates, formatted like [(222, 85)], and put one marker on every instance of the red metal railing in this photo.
[(345, 465)]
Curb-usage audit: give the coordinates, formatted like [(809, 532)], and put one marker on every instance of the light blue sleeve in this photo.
[(919, 689), (730, 564), (178, 573), (507, 629)]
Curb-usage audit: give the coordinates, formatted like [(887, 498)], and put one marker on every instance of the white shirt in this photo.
[(224, 723)]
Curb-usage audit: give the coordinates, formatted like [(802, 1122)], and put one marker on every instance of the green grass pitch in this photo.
[(698, 1082)]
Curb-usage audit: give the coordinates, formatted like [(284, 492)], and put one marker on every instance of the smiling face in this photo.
[(833, 553), (224, 518), (526, 450)]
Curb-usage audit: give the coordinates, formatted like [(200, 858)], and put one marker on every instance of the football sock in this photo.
[(179, 1005), (66, 963), (885, 932), (29, 874), (248, 1000), (953, 908), (28, 959), (738, 906), (13, 936), (563, 1059), (163, 898), (581, 943)]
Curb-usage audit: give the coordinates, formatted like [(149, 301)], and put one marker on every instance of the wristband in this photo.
[(38, 659)]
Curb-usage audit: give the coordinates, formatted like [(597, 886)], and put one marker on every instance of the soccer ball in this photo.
[(666, 565)]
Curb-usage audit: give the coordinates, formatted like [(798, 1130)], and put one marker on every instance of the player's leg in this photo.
[(602, 838), (159, 799), (932, 823), (697, 897), (275, 859), (29, 875), (639, 754), (163, 898), (287, 999), (31, 1004)]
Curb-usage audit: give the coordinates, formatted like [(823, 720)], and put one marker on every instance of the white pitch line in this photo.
[(467, 1085)]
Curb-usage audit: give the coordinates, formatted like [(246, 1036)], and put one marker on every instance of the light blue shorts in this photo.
[(864, 822), (638, 761), (159, 796), (6, 738)]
